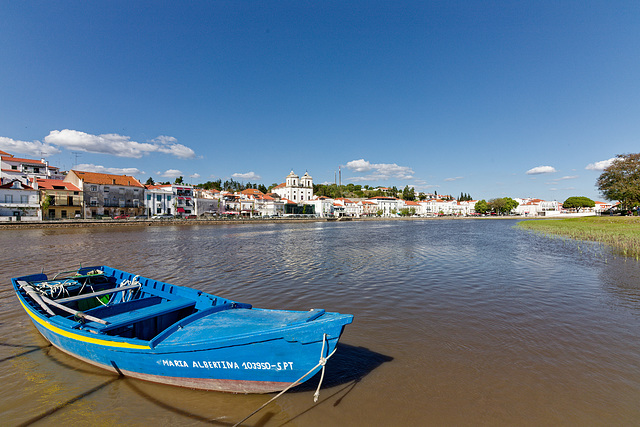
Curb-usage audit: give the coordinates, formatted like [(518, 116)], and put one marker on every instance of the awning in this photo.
[(181, 210)]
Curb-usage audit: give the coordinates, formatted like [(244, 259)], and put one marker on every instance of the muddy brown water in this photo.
[(456, 323)]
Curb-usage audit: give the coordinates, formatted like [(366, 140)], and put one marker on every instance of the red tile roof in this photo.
[(107, 179), (56, 184), (252, 191), (17, 159)]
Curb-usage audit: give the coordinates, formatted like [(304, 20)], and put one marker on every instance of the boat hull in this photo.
[(255, 363)]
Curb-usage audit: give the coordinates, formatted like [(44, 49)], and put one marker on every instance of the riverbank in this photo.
[(190, 222), (620, 232)]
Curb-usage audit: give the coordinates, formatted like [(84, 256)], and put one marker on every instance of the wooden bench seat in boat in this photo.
[(135, 311)]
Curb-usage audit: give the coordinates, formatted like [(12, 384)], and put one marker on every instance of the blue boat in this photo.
[(155, 331)]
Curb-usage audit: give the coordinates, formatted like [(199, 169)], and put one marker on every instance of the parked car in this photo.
[(191, 217), (124, 216), (162, 216)]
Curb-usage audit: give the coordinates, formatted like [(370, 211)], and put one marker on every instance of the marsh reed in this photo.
[(621, 233)]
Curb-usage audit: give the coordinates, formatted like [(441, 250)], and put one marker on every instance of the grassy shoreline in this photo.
[(621, 233)]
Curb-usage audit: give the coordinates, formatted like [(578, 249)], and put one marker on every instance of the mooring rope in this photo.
[(322, 362)]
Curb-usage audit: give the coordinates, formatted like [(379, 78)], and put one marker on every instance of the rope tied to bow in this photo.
[(322, 362)]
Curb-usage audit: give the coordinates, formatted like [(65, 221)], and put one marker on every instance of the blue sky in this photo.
[(490, 98)]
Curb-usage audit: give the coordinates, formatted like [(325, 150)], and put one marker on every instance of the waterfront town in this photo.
[(33, 190)]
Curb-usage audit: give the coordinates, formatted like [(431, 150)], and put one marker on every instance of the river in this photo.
[(457, 322)]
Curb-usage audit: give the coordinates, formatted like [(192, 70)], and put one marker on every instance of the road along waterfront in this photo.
[(456, 322)]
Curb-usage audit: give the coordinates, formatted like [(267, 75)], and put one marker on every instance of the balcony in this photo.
[(116, 204)]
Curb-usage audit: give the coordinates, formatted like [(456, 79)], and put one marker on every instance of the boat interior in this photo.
[(115, 303)]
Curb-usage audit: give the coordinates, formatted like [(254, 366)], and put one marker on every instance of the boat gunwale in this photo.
[(201, 344)]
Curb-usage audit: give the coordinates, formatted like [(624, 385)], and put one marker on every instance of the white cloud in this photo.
[(601, 165), (164, 140), (249, 176), (88, 167), (453, 179), (170, 173), (194, 176), (33, 148), (540, 170), (117, 145), (379, 171)]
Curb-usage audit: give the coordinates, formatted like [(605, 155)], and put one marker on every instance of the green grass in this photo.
[(621, 233)]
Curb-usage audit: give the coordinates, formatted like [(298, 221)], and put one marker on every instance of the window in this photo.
[(121, 203), (24, 199), (168, 198), (36, 170), (148, 196), (159, 198), (135, 190), (93, 188), (14, 167), (93, 201), (8, 198), (121, 190), (106, 189), (63, 214), (136, 203)]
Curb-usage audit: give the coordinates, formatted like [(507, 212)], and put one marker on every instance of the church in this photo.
[(295, 188)]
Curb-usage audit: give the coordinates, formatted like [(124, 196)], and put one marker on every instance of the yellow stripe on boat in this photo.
[(78, 337)]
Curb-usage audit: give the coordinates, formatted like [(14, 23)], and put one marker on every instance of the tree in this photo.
[(178, 181), (481, 206), (46, 202), (408, 193), (150, 181), (621, 180), (210, 185), (274, 185), (578, 202), (503, 205)]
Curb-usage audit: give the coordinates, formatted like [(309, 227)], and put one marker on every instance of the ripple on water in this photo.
[(469, 321)]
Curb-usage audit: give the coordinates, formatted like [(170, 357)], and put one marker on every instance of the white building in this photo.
[(19, 202), (268, 206), (389, 206), (170, 199), (295, 188), (26, 170), (207, 202), (323, 206), (345, 207), (367, 208), (537, 207)]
